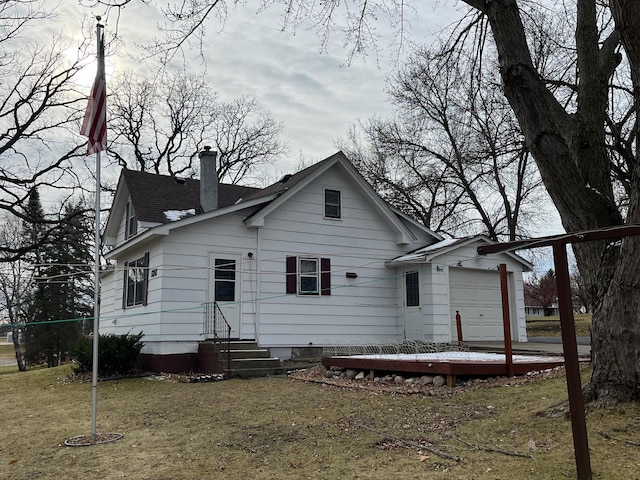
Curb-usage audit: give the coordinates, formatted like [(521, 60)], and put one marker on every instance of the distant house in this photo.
[(315, 259)]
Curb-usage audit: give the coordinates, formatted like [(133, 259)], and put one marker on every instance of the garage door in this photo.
[(476, 295)]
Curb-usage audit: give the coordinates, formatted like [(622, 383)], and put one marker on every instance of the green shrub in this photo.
[(117, 354)]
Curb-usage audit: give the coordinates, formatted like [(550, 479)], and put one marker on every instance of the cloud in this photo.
[(315, 95)]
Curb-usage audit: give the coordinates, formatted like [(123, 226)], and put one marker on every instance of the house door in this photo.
[(224, 288), (413, 321)]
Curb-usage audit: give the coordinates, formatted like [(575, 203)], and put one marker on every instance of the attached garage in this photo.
[(452, 277), (476, 295)]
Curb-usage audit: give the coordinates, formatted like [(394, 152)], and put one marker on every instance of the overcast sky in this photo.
[(315, 95)]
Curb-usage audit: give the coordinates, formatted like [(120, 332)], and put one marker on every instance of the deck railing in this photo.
[(215, 327), (389, 348)]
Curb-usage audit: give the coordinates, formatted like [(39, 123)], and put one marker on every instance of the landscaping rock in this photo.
[(398, 379), (439, 380), (360, 376), (350, 373), (426, 380)]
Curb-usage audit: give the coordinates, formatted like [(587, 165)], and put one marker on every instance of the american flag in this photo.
[(94, 125)]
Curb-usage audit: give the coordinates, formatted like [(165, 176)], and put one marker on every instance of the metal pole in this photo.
[(571, 364), (96, 307), (506, 318), (96, 272)]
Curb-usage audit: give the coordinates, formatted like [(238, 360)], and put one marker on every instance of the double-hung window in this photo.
[(136, 280), (332, 206), (131, 221), (309, 276)]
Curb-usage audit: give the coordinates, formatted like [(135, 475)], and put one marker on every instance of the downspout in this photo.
[(258, 284)]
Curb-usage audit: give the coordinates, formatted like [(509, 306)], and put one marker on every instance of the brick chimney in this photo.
[(208, 180)]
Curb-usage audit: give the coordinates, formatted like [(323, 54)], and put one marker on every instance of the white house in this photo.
[(315, 259)]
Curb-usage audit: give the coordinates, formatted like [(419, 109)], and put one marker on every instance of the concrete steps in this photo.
[(247, 359)]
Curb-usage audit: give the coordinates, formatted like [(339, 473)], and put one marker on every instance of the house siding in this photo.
[(365, 309)]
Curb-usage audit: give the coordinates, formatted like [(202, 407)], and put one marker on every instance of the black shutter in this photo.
[(124, 285), (325, 276), (292, 267), (146, 278)]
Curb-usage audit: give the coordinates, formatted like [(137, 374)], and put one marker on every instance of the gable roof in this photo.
[(166, 200), (153, 195), (431, 252), (289, 185)]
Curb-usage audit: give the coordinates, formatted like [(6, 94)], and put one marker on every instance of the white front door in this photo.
[(225, 286), (413, 322)]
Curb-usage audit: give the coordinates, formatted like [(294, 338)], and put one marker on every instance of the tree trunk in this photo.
[(16, 345), (615, 336), (570, 153)]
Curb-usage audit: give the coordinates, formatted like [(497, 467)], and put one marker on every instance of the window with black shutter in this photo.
[(308, 276)]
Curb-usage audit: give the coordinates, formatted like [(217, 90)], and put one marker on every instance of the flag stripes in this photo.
[(94, 124)]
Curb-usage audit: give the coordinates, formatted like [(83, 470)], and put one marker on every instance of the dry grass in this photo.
[(276, 428), (550, 326)]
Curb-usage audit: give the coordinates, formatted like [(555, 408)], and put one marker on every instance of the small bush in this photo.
[(117, 354)]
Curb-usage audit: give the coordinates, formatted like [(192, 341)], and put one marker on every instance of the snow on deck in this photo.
[(474, 357)]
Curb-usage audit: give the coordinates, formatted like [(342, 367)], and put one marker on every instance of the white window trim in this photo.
[(324, 204), (315, 275)]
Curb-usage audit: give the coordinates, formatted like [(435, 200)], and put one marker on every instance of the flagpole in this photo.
[(96, 309), (96, 286)]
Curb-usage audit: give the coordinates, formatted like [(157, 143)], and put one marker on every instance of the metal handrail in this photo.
[(215, 325)]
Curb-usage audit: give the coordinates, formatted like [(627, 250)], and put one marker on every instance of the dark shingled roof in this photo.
[(153, 194), (289, 181)]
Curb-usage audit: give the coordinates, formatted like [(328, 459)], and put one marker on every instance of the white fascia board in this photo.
[(257, 220), (163, 229), (479, 239), (136, 241), (404, 235), (413, 221), (116, 211)]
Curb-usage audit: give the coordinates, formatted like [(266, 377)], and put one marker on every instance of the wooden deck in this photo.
[(451, 364)]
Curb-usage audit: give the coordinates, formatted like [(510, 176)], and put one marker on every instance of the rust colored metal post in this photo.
[(459, 327), (506, 318), (571, 363)]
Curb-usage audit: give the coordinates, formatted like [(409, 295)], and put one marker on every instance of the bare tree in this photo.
[(39, 106), (453, 156), (16, 281), (160, 126), (542, 290), (565, 127)]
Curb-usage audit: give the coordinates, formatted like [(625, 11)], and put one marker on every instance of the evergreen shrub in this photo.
[(117, 354)]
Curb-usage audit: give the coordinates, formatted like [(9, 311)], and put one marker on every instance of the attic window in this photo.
[(131, 222), (332, 204)]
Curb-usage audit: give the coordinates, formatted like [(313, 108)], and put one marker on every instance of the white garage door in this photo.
[(476, 295)]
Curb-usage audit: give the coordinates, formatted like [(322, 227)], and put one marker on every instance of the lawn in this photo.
[(550, 326), (277, 428)]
